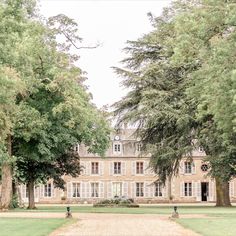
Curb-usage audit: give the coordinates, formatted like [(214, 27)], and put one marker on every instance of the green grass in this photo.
[(30, 227), (211, 227), (222, 220), (211, 211)]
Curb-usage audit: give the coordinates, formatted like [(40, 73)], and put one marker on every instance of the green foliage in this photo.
[(14, 202), (45, 106), (181, 82)]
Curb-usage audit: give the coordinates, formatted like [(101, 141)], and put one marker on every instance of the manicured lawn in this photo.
[(208, 210), (211, 227), (222, 220), (30, 227)]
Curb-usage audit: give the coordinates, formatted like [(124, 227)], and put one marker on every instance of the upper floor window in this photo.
[(200, 149), (94, 189), (139, 190), (94, 168), (187, 167), (138, 147), (188, 189), (48, 190), (139, 167), (158, 189), (75, 189), (117, 168), (117, 148)]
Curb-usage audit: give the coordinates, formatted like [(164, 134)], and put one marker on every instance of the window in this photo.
[(139, 167), (200, 149), (95, 168), (139, 190), (117, 168), (117, 148), (117, 189), (188, 189), (76, 148), (48, 190), (75, 190), (138, 147), (94, 189), (187, 167), (158, 189), (204, 167)]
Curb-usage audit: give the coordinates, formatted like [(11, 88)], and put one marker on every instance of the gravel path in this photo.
[(123, 225)]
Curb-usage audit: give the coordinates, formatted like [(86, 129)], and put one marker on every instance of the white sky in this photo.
[(111, 23)]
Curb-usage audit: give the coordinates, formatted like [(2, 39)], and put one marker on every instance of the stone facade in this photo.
[(124, 171)]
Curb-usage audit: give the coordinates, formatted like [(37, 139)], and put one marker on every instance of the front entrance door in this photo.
[(117, 189), (205, 191)]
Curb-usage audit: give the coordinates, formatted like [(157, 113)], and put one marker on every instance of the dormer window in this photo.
[(138, 147), (117, 148)]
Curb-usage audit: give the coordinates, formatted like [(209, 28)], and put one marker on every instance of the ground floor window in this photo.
[(188, 189), (94, 189), (75, 189), (117, 189), (158, 189), (139, 190), (48, 190)]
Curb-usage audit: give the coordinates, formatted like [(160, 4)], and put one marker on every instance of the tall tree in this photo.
[(56, 112), (165, 76)]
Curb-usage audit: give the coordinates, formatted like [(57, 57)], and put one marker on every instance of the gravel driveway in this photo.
[(123, 225)]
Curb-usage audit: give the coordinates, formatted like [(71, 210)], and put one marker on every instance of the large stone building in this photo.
[(124, 171)]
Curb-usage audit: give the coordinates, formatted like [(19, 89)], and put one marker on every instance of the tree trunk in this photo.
[(6, 191), (30, 188), (222, 193), (169, 189)]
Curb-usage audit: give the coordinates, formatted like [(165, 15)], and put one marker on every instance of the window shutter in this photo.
[(54, 191), (193, 168), (133, 167), (164, 190), (82, 168), (83, 189), (23, 190), (36, 191), (198, 191), (146, 169), (111, 168), (88, 168), (125, 189), (88, 190), (231, 189), (101, 168), (101, 189), (181, 168), (193, 189), (133, 190), (109, 190), (41, 190), (69, 190), (211, 190), (145, 191), (123, 171), (182, 189)]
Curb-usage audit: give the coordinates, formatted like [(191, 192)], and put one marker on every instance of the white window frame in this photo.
[(45, 190), (138, 170), (97, 169), (78, 190), (188, 167), (158, 189), (188, 188), (94, 194), (139, 189), (115, 168), (117, 147)]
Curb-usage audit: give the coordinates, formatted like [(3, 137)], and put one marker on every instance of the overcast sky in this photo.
[(111, 23)]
